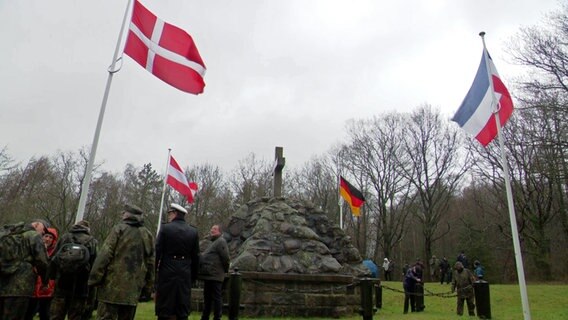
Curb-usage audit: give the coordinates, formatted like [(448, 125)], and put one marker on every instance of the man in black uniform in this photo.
[(177, 260)]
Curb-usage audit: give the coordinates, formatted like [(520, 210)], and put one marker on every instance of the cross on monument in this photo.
[(279, 162)]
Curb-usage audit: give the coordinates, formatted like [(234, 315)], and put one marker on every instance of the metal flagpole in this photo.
[(340, 203), (88, 172), (339, 198), (512, 216), (163, 192)]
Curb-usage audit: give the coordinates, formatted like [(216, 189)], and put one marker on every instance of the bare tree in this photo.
[(213, 202), (379, 154), (251, 179), (544, 50), (438, 163)]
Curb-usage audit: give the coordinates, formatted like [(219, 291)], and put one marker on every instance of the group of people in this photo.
[(461, 277), (69, 276), (31, 284)]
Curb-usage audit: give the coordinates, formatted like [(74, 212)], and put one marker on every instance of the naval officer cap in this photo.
[(178, 208)]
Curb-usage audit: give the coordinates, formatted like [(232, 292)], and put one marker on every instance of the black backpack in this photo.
[(72, 257), (12, 248)]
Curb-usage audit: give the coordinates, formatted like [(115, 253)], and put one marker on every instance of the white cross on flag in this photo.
[(165, 50), (177, 180)]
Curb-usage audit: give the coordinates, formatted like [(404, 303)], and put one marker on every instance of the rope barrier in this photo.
[(448, 294), (429, 293)]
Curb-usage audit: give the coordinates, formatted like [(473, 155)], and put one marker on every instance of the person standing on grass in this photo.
[(177, 262), (409, 283), (463, 282), (387, 269), (213, 265), (71, 289), (478, 270), (43, 295), (444, 269), (19, 275), (123, 271)]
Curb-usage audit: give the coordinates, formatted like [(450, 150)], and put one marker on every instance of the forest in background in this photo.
[(430, 190)]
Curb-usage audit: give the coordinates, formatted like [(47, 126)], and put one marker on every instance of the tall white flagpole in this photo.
[(88, 172), (339, 198), (163, 192), (511, 205)]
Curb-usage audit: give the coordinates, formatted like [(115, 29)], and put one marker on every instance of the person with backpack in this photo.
[(41, 301), (70, 267), (21, 252)]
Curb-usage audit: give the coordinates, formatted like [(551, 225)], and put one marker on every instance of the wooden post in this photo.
[(279, 162)]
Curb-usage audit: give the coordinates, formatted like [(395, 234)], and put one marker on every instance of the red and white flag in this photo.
[(165, 50), (177, 180)]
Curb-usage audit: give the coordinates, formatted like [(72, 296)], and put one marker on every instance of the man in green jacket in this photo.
[(463, 282), (124, 268), (213, 264), (17, 287)]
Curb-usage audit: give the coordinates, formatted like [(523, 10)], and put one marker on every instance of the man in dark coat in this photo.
[(17, 287), (177, 261), (444, 269), (124, 268), (213, 265), (71, 290), (409, 282)]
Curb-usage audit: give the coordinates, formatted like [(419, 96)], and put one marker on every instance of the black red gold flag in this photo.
[(353, 196)]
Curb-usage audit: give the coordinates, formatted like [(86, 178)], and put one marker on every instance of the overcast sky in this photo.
[(284, 73)]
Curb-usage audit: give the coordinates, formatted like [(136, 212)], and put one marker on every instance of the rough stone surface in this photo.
[(280, 235), (292, 261)]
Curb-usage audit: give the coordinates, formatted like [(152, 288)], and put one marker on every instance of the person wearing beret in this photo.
[(124, 268), (177, 260)]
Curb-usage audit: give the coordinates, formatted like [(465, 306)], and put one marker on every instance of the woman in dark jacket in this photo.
[(213, 265)]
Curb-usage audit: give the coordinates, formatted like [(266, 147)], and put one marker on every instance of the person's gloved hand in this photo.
[(145, 295)]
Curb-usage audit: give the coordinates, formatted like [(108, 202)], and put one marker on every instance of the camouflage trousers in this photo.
[(72, 307), (470, 305), (13, 308), (111, 311)]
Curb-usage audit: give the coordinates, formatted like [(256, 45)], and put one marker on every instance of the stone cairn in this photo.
[(278, 235), (293, 261)]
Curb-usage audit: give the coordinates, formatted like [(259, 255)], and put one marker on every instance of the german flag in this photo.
[(353, 196)]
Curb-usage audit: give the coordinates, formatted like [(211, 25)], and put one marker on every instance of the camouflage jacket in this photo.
[(124, 266), (22, 282), (75, 284), (463, 283)]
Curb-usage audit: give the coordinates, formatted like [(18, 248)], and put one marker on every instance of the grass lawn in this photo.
[(547, 302)]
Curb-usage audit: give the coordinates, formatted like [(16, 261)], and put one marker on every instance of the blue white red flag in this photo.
[(476, 115)]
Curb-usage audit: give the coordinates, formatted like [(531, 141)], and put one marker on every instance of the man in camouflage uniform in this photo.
[(463, 282), (71, 290), (16, 289), (124, 268)]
